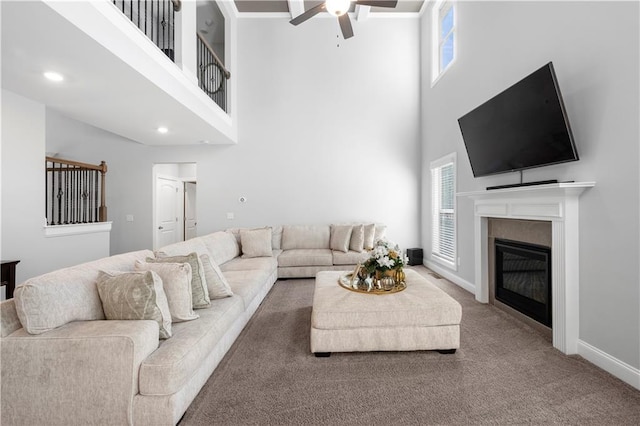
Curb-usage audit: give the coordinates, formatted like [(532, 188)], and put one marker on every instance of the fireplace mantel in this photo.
[(557, 203)]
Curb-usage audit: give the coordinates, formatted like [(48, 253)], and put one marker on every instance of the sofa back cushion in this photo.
[(183, 248), (305, 237), (70, 294), (222, 246)]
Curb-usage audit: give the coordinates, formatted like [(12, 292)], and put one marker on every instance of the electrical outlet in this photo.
[(129, 218), (231, 216)]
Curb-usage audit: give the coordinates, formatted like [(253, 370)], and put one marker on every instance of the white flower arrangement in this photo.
[(384, 256)]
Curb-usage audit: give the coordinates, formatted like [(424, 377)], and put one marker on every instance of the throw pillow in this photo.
[(256, 242), (340, 237), (216, 282), (199, 292), (357, 238), (176, 282), (381, 232), (135, 296), (369, 236)]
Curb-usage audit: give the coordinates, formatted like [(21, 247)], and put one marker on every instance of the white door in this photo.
[(168, 206), (190, 219)]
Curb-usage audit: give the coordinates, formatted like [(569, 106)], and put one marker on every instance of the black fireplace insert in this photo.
[(523, 278)]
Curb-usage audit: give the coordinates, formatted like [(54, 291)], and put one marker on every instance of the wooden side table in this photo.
[(8, 276)]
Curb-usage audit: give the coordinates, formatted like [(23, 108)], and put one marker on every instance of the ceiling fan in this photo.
[(340, 8)]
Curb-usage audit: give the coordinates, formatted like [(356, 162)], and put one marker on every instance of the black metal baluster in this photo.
[(95, 196), (66, 195), (59, 195), (152, 22)]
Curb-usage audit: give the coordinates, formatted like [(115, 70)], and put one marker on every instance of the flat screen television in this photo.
[(523, 127)]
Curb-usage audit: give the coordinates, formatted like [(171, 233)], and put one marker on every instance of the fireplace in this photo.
[(558, 204), (523, 278)]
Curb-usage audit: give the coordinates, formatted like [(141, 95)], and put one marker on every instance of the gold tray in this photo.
[(345, 282)]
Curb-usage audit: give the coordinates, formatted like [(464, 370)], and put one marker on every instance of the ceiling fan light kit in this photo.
[(339, 8)]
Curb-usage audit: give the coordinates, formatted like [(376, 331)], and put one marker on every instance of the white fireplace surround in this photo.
[(557, 203)]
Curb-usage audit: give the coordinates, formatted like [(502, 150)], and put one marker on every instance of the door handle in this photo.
[(160, 227)]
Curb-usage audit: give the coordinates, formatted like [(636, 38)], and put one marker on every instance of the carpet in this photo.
[(504, 373)]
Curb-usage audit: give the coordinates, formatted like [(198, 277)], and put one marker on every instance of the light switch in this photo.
[(129, 218)]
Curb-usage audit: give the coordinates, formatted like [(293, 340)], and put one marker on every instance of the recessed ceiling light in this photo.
[(162, 130), (54, 76)]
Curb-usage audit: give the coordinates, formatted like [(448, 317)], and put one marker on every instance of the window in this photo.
[(443, 210), (443, 20)]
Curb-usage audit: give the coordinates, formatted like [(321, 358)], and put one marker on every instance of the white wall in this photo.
[(331, 133), (594, 47), (23, 205)]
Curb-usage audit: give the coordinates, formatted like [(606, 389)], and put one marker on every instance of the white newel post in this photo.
[(559, 204)]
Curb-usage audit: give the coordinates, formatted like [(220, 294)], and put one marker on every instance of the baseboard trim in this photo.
[(470, 287), (610, 364)]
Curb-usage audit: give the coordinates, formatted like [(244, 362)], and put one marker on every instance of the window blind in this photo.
[(443, 224)]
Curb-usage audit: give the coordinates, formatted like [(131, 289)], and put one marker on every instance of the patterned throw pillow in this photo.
[(216, 282), (176, 282), (256, 242), (340, 237), (199, 292), (135, 296)]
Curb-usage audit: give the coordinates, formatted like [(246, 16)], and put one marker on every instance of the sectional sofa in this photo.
[(66, 361)]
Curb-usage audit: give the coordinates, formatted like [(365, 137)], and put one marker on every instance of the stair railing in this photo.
[(155, 18), (75, 192), (212, 75)]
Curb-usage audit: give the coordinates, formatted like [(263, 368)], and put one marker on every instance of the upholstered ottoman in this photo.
[(421, 317)]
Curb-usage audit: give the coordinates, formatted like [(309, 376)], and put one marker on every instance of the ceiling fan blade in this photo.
[(345, 26), (308, 14), (378, 3)]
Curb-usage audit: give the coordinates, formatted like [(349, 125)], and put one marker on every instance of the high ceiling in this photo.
[(100, 87), (282, 6)]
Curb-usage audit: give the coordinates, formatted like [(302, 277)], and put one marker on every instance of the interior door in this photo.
[(167, 211), (190, 219)]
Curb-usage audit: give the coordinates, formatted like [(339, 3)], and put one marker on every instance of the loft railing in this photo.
[(155, 18), (212, 75), (75, 192)]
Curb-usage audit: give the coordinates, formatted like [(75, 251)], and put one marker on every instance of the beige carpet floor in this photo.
[(505, 373)]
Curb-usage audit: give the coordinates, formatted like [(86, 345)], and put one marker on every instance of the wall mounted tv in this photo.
[(523, 127)]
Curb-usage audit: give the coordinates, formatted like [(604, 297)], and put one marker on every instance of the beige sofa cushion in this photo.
[(222, 246), (194, 245), (340, 237), (241, 264), (135, 296), (248, 284), (305, 237), (369, 234), (170, 367), (176, 282), (256, 242), (305, 257), (349, 258), (70, 294), (276, 237), (380, 232), (216, 282), (357, 238), (199, 291)]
